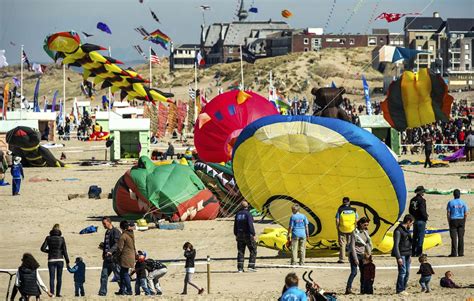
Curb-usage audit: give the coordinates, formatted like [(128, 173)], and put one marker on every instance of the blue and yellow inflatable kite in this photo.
[(315, 162)]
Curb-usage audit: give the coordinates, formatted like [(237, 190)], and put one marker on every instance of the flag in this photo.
[(158, 37), (5, 100), (248, 56), (35, 97), (242, 97), (3, 59), (253, 10), (140, 51), (38, 68), (16, 81), (154, 57), (367, 95), (45, 108), (53, 103), (392, 17), (333, 85), (155, 16), (25, 60), (199, 59)]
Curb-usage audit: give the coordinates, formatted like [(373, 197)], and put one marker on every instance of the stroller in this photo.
[(315, 292)]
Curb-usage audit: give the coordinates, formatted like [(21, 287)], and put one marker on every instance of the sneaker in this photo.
[(404, 293), (423, 289), (241, 271), (201, 291), (183, 293), (348, 291), (340, 261), (251, 270)]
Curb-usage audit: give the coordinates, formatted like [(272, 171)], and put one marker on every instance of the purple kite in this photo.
[(104, 27)]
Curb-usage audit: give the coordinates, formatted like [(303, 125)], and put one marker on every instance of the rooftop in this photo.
[(423, 23), (460, 24)]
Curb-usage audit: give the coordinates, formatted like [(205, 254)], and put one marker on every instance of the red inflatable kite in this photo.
[(222, 120)]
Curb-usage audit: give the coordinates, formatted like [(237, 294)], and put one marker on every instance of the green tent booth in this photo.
[(377, 125), (131, 138)]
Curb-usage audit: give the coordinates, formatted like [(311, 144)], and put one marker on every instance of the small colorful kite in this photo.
[(158, 37), (286, 13), (104, 27), (392, 17)]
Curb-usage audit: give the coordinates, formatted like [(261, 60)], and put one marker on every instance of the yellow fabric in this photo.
[(317, 167), (347, 222), (242, 97), (27, 149), (416, 95)]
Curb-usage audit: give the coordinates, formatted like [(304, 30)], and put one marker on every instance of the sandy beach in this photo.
[(27, 219)]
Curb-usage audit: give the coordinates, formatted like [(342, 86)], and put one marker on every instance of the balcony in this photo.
[(455, 61), (454, 50)]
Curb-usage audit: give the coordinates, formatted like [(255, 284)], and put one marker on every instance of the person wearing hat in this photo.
[(418, 210), (126, 256), (346, 218), (17, 175)]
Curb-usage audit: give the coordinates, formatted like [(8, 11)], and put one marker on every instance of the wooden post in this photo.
[(208, 274), (105, 154)]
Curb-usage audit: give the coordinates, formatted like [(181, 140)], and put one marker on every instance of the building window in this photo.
[(466, 56), (420, 37), (306, 41), (467, 67), (231, 50), (418, 47), (306, 49), (372, 41), (382, 41), (351, 42), (466, 46), (342, 41), (329, 40), (431, 47)]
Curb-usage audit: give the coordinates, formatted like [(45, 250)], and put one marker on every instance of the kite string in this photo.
[(331, 12)]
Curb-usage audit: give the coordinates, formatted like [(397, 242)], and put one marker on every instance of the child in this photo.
[(28, 281), (156, 269), (369, 274), (17, 175), (447, 281), (79, 271), (426, 271), (190, 255), (140, 270)]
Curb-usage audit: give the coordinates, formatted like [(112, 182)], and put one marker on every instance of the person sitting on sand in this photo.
[(447, 281), (291, 292)]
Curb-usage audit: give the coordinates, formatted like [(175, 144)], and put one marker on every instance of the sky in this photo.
[(28, 22)]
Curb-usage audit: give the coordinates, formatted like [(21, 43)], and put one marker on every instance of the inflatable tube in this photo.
[(275, 238)]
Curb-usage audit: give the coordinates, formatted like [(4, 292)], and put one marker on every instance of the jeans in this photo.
[(403, 273), (427, 158), (141, 283), (108, 267), (418, 238), (125, 282), (53, 267), (456, 231), (242, 243), (425, 282), (154, 279), (298, 246), (16, 183), (79, 289), (343, 238), (354, 272)]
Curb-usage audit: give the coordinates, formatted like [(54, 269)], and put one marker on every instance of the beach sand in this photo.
[(28, 218)]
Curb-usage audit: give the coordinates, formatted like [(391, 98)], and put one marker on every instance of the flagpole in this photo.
[(151, 76), (241, 70), (110, 91), (21, 81), (195, 91), (64, 91)]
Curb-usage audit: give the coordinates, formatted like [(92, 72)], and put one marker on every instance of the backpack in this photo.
[(347, 220), (94, 192)]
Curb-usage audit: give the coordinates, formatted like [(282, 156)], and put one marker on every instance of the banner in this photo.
[(182, 108), (367, 96), (162, 119)]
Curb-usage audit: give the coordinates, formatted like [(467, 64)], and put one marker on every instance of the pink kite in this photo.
[(222, 120), (392, 17)]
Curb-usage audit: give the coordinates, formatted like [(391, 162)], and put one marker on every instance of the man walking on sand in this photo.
[(418, 210), (457, 215), (109, 247), (298, 233), (402, 244), (346, 218), (245, 236)]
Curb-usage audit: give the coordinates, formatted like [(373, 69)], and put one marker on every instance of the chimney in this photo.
[(435, 14)]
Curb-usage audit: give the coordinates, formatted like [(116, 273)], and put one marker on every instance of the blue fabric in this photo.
[(457, 209), (108, 267), (402, 53), (293, 294), (79, 271), (87, 230), (355, 135), (298, 223), (367, 95), (253, 10), (17, 171), (125, 282), (403, 274)]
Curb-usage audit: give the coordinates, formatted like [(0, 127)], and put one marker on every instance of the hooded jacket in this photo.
[(126, 249), (55, 246)]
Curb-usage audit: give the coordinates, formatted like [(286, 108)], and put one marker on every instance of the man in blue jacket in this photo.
[(17, 175), (245, 235)]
